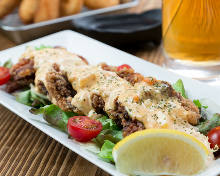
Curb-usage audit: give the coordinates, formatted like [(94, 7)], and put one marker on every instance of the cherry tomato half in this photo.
[(214, 137), (122, 67), (83, 128), (4, 75)]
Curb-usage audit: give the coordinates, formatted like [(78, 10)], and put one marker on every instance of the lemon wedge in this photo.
[(160, 152)]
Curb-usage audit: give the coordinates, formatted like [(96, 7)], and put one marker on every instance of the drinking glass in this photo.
[(191, 37)]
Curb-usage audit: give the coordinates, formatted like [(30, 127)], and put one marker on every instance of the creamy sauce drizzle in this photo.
[(157, 111), (44, 60)]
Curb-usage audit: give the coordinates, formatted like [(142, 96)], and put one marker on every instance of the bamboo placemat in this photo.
[(24, 150)]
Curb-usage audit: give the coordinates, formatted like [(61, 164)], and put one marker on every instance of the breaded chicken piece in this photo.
[(22, 75), (131, 76)]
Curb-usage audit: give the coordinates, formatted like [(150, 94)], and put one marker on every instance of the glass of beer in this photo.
[(191, 37)]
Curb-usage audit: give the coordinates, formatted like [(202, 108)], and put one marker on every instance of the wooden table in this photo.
[(24, 150)]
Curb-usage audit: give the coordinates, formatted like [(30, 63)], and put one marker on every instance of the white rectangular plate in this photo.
[(95, 52)]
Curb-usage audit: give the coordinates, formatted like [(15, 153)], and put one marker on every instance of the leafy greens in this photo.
[(8, 64), (112, 135), (54, 116), (108, 123), (207, 125), (107, 138), (42, 47), (106, 151), (179, 87), (199, 104), (32, 98)]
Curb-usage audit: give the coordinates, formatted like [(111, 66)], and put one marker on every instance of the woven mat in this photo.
[(24, 150)]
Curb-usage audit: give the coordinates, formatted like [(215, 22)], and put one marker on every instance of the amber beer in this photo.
[(191, 30)]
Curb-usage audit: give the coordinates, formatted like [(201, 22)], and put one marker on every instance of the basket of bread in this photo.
[(34, 11)]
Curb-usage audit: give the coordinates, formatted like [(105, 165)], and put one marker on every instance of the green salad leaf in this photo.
[(108, 123), (110, 131), (32, 98), (179, 87), (207, 125), (35, 96), (24, 97), (111, 135), (54, 116), (202, 109), (107, 138), (8, 64), (199, 104), (42, 47), (106, 151)]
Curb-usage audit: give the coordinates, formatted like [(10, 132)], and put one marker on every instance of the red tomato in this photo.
[(214, 137), (4, 75), (83, 128), (121, 67)]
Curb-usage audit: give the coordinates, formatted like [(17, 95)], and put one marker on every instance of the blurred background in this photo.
[(117, 22)]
